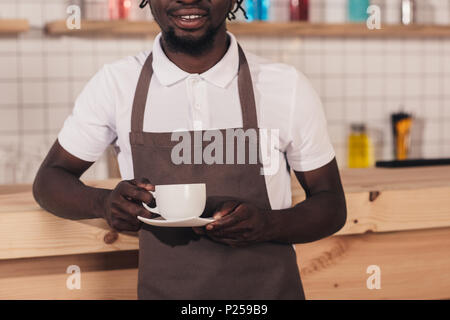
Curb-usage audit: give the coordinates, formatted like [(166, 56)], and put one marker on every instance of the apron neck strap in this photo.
[(245, 86), (140, 97), (246, 93)]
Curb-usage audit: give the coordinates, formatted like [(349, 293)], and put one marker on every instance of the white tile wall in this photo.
[(357, 79), (8, 93), (9, 119)]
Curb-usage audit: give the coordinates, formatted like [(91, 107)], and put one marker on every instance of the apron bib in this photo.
[(176, 263)]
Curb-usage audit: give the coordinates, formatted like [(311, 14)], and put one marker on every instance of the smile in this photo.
[(189, 19)]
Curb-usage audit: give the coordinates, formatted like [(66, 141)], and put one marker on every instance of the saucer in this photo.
[(185, 222)]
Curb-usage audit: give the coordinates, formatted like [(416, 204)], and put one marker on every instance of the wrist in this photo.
[(272, 225), (101, 205)]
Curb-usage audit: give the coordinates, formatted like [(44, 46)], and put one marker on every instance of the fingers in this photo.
[(225, 209), (229, 219), (124, 213), (236, 232), (122, 219), (143, 183), (125, 225), (224, 212), (137, 191), (134, 210), (124, 204), (126, 220), (237, 228)]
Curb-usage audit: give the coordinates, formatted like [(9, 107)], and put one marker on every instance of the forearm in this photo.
[(63, 194), (319, 216)]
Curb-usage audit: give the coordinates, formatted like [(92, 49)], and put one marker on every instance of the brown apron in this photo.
[(176, 263)]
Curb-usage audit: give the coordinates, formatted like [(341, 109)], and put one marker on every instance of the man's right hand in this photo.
[(124, 204)]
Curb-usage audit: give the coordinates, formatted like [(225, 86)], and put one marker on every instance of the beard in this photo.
[(191, 45)]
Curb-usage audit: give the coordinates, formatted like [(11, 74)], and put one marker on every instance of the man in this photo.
[(197, 77)]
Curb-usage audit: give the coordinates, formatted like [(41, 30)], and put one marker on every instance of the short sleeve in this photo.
[(90, 128), (309, 145)]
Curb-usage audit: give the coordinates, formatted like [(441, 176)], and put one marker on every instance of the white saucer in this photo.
[(185, 222)]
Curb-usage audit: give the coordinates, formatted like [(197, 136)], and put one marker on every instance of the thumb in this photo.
[(225, 209)]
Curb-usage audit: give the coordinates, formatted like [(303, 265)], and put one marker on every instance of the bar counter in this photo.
[(398, 221)]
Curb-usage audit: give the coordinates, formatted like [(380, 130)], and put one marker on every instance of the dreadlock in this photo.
[(143, 4), (230, 16)]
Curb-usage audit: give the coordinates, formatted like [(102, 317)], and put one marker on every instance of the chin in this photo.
[(193, 35), (193, 42)]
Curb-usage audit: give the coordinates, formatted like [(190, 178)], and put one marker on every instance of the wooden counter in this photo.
[(398, 219)]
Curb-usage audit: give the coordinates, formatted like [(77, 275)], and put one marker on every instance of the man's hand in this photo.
[(123, 204), (238, 224)]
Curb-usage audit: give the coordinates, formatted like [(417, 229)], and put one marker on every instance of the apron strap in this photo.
[(140, 97), (245, 86), (246, 93)]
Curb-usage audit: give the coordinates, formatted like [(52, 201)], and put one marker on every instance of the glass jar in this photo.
[(360, 149)]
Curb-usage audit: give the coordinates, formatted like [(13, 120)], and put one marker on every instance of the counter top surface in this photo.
[(19, 198), (395, 178), (378, 200)]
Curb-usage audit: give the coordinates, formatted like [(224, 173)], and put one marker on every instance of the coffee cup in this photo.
[(179, 201)]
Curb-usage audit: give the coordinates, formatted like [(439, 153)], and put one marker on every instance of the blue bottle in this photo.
[(257, 9), (357, 10), (263, 9), (250, 9)]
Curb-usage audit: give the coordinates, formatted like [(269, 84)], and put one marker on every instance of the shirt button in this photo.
[(194, 80), (197, 106)]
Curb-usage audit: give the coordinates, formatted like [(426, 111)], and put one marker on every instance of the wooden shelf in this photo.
[(142, 28), (338, 30), (13, 26), (104, 28)]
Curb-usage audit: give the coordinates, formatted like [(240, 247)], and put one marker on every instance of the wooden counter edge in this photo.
[(374, 211), (413, 265)]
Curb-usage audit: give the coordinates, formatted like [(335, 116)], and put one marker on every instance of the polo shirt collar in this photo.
[(221, 74)]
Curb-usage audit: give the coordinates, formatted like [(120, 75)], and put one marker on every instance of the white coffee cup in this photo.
[(179, 201)]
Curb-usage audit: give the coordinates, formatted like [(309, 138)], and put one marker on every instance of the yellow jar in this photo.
[(360, 148)]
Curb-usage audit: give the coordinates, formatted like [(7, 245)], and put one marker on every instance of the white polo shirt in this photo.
[(285, 100)]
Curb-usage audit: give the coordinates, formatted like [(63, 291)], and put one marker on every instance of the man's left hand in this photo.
[(238, 224)]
